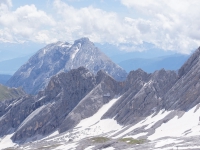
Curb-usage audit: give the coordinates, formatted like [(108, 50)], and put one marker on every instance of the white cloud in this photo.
[(174, 24), (97, 24), (8, 3), (23, 24), (168, 24)]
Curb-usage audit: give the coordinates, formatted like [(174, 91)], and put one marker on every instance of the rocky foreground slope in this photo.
[(80, 110), (62, 57)]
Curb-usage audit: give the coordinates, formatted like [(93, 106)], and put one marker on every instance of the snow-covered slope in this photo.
[(34, 75), (182, 131)]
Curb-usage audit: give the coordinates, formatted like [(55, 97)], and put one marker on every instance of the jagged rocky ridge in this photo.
[(62, 57), (78, 94), (72, 97)]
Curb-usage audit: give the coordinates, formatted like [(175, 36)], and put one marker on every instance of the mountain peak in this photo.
[(102, 75), (63, 57), (82, 40)]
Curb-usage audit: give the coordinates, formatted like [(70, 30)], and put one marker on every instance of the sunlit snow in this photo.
[(6, 142), (96, 117), (178, 127), (149, 121), (74, 54)]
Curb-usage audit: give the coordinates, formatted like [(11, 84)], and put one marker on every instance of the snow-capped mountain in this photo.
[(34, 75), (80, 110)]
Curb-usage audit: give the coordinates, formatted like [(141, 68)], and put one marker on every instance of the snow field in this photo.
[(6, 142), (178, 127), (149, 121)]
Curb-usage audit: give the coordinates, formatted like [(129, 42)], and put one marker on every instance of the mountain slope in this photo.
[(80, 110), (10, 93), (62, 57), (186, 90), (49, 111)]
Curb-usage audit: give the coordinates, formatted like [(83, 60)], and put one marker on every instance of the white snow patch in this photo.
[(53, 134), (64, 45), (164, 142), (178, 148), (6, 142), (44, 51), (96, 117), (177, 127), (109, 148), (151, 120), (74, 54), (41, 98), (102, 127), (148, 121), (137, 135), (189, 147), (71, 146), (148, 83), (89, 148), (28, 72), (14, 103), (93, 126)]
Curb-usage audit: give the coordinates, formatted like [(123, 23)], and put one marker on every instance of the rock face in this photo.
[(185, 93), (106, 89), (71, 97), (78, 94), (66, 95), (62, 57), (51, 106), (143, 95)]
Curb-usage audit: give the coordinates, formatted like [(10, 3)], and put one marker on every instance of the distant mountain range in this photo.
[(88, 102), (4, 78), (145, 51), (148, 59), (10, 66), (171, 62)]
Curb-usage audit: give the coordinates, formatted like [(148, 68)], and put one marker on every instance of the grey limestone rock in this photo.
[(62, 57), (143, 96), (106, 89), (78, 94), (63, 93), (185, 92)]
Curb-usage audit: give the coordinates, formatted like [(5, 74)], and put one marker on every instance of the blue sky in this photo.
[(168, 24)]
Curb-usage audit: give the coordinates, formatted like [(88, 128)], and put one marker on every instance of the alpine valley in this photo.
[(80, 100)]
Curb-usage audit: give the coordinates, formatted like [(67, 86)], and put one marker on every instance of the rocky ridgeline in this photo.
[(78, 94), (62, 57)]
